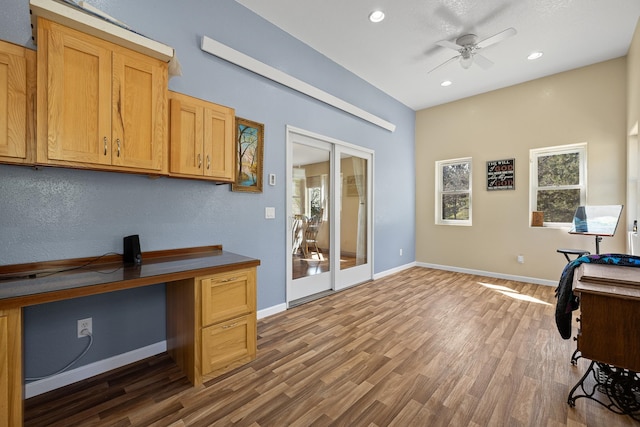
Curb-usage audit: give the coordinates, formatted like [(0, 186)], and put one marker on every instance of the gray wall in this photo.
[(57, 213)]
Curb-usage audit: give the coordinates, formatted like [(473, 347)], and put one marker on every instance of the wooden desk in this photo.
[(182, 269), (609, 334)]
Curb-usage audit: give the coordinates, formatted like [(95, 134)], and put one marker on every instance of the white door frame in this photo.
[(339, 279)]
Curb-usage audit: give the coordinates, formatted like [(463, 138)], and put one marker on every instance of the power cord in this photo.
[(84, 332), (64, 270)]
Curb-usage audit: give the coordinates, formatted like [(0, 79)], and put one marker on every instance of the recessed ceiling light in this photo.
[(534, 55), (446, 83), (376, 16)]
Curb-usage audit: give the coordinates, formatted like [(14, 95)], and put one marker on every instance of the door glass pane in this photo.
[(310, 209), (353, 211)]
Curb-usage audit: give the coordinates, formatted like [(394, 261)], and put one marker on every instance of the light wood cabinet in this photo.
[(211, 322), (100, 105), (17, 103), (202, 139), (10, 367)]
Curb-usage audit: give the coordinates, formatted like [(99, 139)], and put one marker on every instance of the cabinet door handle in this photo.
[(230, 326), (105, 145), (199, 161), (208, 162), (118, 143), (231, 279)]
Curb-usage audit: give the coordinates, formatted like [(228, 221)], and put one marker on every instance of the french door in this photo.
[(329, 209)]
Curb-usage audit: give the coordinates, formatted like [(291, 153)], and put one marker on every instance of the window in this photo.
[(453, 191), (558, 182), (316, 195)]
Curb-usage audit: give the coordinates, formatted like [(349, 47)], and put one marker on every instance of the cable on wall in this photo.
[(74, 361)]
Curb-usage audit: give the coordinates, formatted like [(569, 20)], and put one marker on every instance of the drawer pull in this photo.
[(231, 279), (230, 326)]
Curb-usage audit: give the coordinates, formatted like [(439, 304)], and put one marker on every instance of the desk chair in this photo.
[(577, 252)]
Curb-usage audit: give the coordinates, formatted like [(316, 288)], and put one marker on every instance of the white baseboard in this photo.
[(87, 371), (270, 311), (490, 274), (393, 270)]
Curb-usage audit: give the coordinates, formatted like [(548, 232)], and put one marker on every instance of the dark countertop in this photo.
[(35, 287)]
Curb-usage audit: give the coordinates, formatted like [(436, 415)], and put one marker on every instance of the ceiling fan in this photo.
[(467, 46)]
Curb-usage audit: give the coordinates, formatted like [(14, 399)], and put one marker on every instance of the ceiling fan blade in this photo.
[(449, 44), (502, 35), (443, 64), (482, 61)]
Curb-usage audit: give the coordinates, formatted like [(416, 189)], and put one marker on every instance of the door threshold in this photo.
[(310, 298)]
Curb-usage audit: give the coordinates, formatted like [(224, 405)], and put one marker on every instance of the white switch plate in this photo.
[(269, 212), (272, 179)]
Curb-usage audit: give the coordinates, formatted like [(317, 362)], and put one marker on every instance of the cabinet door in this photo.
[(228, 344), (219, 143), (139, 107), (79, 97), (13, 101), (228, 295), (11, 367), (186, 137)]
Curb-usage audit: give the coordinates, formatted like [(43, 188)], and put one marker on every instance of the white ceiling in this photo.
[(396, 54)]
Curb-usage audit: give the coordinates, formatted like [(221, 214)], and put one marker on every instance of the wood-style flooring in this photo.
[(303, 267), (419, 348)]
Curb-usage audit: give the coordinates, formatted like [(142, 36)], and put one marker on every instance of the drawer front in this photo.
[(227, 296), (227, 343)]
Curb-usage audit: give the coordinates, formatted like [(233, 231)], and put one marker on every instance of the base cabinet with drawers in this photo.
[(211, 322)]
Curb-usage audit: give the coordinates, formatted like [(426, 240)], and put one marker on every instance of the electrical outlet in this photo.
[(85, 327), (400, 251), (520, 259)]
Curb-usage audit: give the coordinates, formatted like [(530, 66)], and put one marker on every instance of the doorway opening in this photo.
[(329, 209)]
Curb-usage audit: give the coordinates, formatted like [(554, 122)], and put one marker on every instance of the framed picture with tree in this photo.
[(249, 146)]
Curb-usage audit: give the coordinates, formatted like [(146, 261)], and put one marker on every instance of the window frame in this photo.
[(440, 164), (534, 154)]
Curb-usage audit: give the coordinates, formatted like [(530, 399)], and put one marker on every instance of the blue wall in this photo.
[(57, 213)]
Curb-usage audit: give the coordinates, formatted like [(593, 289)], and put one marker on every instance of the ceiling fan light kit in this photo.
[(467, 46)]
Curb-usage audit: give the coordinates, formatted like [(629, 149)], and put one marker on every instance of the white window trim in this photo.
[(438, 193), (534, 153)]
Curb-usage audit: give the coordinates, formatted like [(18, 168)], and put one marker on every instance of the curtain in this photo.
[(359, 171)]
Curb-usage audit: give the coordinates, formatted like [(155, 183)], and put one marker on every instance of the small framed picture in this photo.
[(249, 146)]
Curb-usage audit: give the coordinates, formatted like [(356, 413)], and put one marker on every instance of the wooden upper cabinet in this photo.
[(202, 139), (99, 105), (17, 103)]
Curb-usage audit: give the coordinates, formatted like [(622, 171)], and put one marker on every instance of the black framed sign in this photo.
[(501, 174)]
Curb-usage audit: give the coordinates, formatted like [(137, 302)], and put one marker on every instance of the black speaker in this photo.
[(132, 254)]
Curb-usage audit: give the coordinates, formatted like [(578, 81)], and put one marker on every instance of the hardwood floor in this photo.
[(315, 265), (419, 348)]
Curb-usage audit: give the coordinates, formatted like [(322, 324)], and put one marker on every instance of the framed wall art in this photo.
[(249, 156), (501, 174)]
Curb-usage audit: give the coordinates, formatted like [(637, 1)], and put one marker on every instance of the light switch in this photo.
[(272, 179), (269, 212)]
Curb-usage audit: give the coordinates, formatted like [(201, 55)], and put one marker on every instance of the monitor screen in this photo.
[(598, 220)]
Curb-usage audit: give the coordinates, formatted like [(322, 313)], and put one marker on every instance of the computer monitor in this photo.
[(596, 220)]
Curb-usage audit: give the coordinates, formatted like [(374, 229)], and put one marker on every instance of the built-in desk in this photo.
[(223, 280), (609, 335)]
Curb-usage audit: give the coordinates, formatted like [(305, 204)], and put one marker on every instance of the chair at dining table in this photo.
[(311, 229)]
